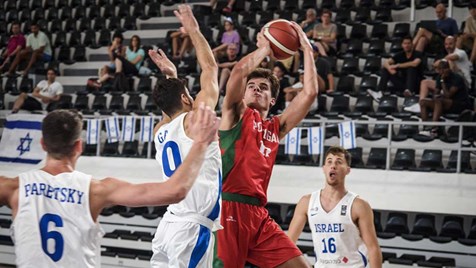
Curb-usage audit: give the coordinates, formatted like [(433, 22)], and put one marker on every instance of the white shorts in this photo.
[(182, 244)]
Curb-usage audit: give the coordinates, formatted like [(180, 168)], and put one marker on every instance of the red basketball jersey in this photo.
[(248, 153)]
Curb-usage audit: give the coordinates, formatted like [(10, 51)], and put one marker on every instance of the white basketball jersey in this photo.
[(53, 226), (336, 239), (173, 146)]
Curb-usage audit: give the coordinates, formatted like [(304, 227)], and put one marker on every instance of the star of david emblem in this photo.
[(293, 140), (347, 134), (315, 139), (23, 148), (128, 128)]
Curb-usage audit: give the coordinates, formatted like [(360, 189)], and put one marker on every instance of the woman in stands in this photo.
[(230, 36), (130, 63), (325, 34)]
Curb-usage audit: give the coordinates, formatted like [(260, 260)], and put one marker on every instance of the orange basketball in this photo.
[(284, 40)]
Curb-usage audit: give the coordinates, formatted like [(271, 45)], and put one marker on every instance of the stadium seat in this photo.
[(404, 159), (22, 4), (90, 38), (25, 15), (451, 229), (110, 149), (358, 31), (353, 49), (350, 66), (376, 48), (64, 54), (150, 104), (11, 86), (56, 26), (52, 14), (62, 3), (90, 149), (372, 66), (367, 82), (383, 15), (407, 259), (401, 30), (130, 149), (12, 15), (364, 104), (114, 24), (356, 157), (145, 148), (108, 11), (134, 103), (438, 262), (431, 160), (79, 53), (397, 223), (387, 105), (26, 85), (406, 131), (377, 158), (347, 4), (117, 103), (329, 4), (387, 255), (65, 102), (377, 221), (273, 5), (99, 103), (290, 5), (470, 240), (345, 85), (130, 23), (424, 227), (340, 105), (362, 15), (342, 16), (81, 102), (274, 211), (145, 85), (154, 9)]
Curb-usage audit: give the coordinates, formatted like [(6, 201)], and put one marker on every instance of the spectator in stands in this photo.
[(279, 70), (459, 63), (265, 63), (310, 22), (181, 44), (291, 92), (105, 77), (37, 48), (15, 44), (229, 6), (445, 26), (450, 95), (325, 34), (226, 64), (116, 48), (342, 223), (325, 76), (466, 39), (44, 96), (134, 56), (404, 69), (230, 36)]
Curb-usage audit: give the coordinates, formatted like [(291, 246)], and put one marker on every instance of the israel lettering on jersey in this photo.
[(21, 139), (336, 239)]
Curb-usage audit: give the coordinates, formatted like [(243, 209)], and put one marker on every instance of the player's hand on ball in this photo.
[(204, 124), (305, 44)]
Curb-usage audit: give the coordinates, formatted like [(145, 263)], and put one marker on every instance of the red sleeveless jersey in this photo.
[(248, 153)]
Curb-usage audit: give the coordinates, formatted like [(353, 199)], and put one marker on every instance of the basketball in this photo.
[(284, 40)]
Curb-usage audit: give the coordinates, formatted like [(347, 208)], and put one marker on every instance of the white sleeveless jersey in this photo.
[(336, 239), (173, 146), (53, 226)]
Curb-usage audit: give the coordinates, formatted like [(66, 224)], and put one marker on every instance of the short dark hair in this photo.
[(337, 150), (267, 74), (326, 11), (15, 23), (118, 35), (167, 95), (51, 69), (472, 5), (407, 37), (61, 129)]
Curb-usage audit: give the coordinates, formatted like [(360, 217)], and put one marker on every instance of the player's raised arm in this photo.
[(110, 191), (209, 77), (299, 106), (299, 218), (233, 105)]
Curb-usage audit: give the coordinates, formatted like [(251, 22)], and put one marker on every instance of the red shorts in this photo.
[(250, 235)]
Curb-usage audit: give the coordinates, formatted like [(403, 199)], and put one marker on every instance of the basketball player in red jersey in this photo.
[(249, 143)]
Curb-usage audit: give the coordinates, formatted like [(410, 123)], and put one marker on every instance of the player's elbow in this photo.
[(179, 193)]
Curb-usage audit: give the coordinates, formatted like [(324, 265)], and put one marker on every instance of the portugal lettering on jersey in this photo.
[(336, 239), (249, 150)]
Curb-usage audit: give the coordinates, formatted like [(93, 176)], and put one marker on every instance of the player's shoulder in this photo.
[(305, 199), (361, 205)]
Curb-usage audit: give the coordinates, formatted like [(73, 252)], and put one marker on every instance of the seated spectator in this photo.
[(230, 36), (229, 6), (279, 71), (466, 39), (181, 44), (310, 22), (450, 95), (44, 96), (325, 76), (116, 48), (37, 48), (325, 34), (445, 26), (15, 44), (405, 70), (105, 77), (291, 92), (226, 64), (134, 56)]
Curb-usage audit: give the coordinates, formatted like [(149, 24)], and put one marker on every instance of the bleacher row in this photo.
[(129, 232)]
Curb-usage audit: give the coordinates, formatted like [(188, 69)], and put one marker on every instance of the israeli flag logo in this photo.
[(315, 140), (92, 132), (293, 142), (112, 128), (146, 128), (347, 135), (21, 139), (128, 128)]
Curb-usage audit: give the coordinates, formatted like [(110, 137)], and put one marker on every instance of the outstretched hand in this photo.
[(303, 40), (163, 63), (204, 124), (185, 15)]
